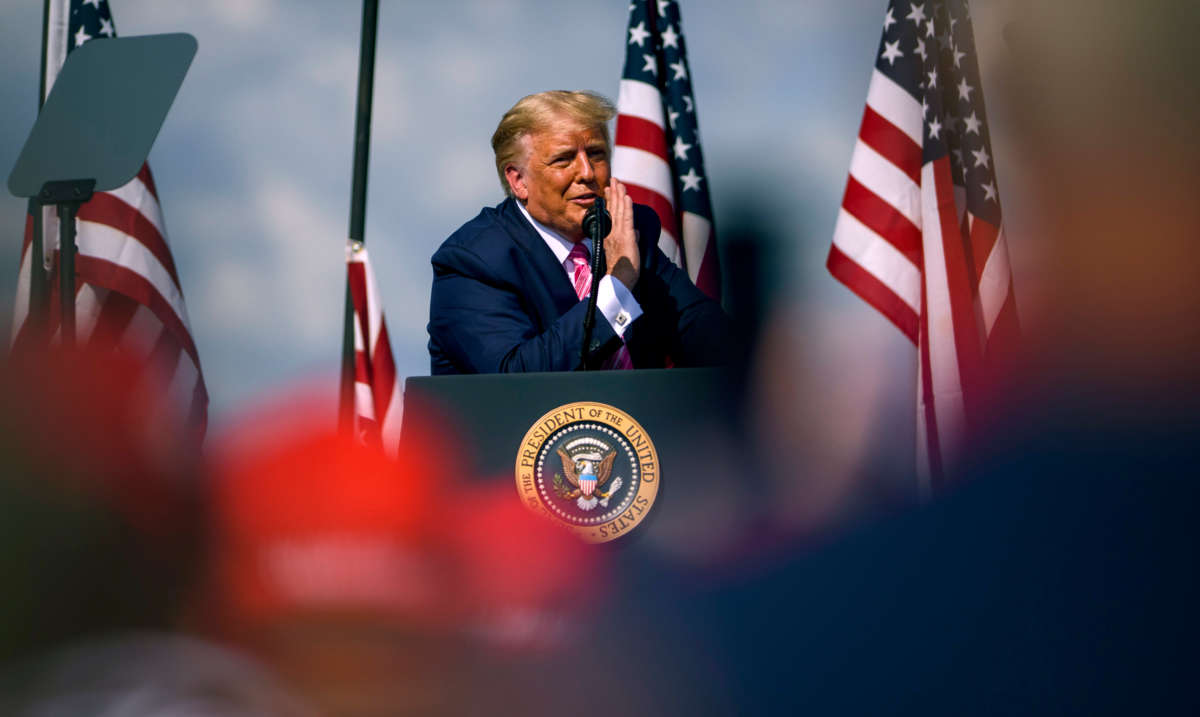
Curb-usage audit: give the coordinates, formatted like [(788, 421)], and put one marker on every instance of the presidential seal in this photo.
[(591, 467)]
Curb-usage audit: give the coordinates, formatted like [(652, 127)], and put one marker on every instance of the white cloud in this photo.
[(394, 103), (245, 14), (332, 65), (227, 296), (305, 260)]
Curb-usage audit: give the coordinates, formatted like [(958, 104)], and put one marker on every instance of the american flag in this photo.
[(920, 235), (128, 295), (377, 392), (657, 153)]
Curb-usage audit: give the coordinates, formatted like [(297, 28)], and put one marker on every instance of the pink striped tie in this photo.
[(583, 272), (579, 256)]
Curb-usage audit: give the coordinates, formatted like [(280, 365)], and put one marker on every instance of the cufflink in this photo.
[(622, 318)]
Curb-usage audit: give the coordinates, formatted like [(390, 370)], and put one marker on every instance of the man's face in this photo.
[(566, 168)]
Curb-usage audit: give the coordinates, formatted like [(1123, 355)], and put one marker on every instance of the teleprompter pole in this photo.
[(66, 272), (67, 196), (358, 197), (39, 284)]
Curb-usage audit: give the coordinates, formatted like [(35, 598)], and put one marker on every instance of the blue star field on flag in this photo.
[(928, 48), (89, 19)]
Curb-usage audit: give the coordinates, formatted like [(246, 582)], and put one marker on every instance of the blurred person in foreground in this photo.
[(509, 285), (385, 586), (101, 516), (1061, 576), (1105, 150)]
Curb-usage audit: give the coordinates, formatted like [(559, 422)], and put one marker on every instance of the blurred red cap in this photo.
[(307, 521)]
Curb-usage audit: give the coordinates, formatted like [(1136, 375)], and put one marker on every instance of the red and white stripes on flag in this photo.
[(640, 159), (657, 150), (128, 294), (377, 391), (919, 235)]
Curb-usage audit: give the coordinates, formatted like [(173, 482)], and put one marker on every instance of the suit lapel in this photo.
[(553, 277)]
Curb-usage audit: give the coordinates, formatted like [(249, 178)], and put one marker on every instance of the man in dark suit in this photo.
[(509, 285)]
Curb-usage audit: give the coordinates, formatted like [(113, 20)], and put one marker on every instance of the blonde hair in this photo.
[(539, 111)]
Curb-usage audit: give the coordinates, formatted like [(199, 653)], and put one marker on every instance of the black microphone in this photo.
[(597, 213), (597, 223)]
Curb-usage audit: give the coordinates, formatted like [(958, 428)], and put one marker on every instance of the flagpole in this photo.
[(358, 196)]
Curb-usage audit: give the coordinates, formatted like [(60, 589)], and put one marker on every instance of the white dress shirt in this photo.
[(613, 299)]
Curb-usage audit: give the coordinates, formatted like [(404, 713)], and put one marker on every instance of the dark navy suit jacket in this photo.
[(501, 302)]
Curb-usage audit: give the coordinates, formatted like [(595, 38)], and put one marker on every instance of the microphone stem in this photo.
[(595, 229)]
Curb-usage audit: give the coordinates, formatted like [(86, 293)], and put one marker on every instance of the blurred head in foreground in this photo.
[(376, 584), (100, 542), (1104, 101), (99, 503)]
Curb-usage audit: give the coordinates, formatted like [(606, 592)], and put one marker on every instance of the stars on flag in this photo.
[(924, 54), (670, 38), (656, 55), (989, 191), (926, 50), (638, 34), (946, 41), (964, 90), (681, 148), (891, 51), (972, 122), (982, 159), (89, 19), (916, 13)]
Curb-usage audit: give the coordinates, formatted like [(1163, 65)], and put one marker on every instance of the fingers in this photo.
[(612, 196), (619, 210), (621, 243), (620, 205)]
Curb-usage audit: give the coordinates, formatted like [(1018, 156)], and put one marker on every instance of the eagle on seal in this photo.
[(588, 473)]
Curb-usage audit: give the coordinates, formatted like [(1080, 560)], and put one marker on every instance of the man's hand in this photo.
[(620, 246)]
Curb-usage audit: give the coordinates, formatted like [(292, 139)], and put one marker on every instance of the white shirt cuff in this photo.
[(617, 304)]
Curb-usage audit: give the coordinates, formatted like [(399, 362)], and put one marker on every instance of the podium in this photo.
[(635, 623), (665, 425)]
